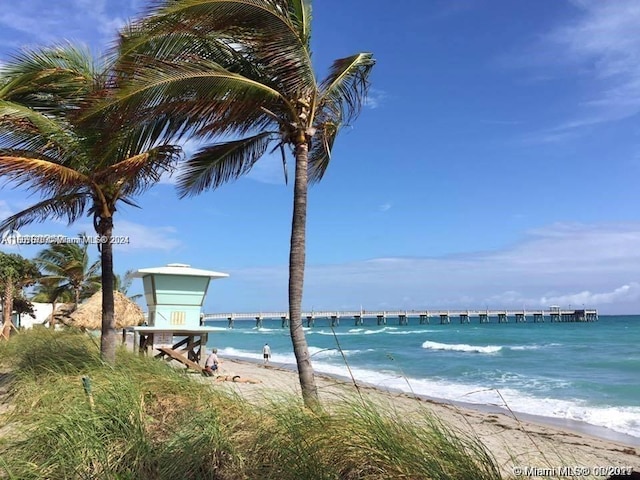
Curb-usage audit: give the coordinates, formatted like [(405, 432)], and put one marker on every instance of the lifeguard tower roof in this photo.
[(178, 269)]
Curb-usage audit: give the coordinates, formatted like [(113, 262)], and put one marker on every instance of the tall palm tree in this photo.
[(75, 165), (67, 264), (237, 76)]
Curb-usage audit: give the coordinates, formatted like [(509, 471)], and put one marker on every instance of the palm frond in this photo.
[(25, 132), (301, 13), (18, 115), (191, 96), (185, 44), (40, 174), (217, 164), (262, 32), (42, 78), (320, 153), (69, 207), (136, 174), (345, 88)]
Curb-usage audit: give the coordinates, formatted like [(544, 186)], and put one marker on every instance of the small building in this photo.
[(175, 295)]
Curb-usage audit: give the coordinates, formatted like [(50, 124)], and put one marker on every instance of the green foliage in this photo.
[(68, 271), (150, 421), (17, 270)]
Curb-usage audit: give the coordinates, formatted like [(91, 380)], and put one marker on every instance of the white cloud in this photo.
[(385, 207), (562, 264), (46, 22), (143, 237), (269, 169), (625, 293), (375, 97), (601, 45)]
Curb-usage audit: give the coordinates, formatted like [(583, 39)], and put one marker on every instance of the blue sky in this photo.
[(495, 164)]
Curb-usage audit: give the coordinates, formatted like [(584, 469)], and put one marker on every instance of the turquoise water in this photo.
[(588, 372)]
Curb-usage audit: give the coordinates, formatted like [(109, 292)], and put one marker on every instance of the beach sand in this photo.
[(514, 440)]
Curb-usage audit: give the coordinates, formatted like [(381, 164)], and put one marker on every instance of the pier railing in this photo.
[(424, 316)]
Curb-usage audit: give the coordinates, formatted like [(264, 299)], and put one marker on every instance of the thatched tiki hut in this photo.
[(89, 314)]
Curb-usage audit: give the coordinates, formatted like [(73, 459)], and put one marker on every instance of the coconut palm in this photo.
[(67, 265), (238, 77), (75, 165)]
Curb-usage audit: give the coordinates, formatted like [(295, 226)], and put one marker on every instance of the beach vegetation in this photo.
[(236, 77), (16, 272), (77, 166), (67, 267), (142, 419)]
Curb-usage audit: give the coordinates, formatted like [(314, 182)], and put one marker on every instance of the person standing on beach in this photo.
[(266, 353), (211, 364)]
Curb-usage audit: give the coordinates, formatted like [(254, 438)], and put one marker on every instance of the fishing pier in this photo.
[(332, 318)]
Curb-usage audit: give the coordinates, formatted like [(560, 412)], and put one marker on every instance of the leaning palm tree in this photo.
[(75, 165), (238, 77), (68, 265)]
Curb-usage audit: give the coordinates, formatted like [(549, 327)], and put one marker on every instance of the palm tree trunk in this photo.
[(52, 322), (108, 338), (296, 278), (7, 309)]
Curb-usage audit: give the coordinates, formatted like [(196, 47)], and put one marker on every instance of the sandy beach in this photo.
[(519, 444)]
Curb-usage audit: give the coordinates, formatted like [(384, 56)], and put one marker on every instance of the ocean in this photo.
[(579, 373)]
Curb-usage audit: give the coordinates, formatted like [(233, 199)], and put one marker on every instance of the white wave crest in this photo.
[(460, 347)]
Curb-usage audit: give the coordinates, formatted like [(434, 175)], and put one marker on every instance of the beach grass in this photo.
[(142, 419)]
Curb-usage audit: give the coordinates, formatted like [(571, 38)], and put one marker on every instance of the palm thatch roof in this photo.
[(89, 314)]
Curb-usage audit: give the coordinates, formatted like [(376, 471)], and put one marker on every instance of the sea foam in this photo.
[(460, 347)]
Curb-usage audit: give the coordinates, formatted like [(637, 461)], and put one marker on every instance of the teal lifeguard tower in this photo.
[(175, 295)]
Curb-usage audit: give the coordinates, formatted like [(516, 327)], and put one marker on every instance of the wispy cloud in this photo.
[(602, 47), (41, 21), (385, 207), (563, 264), (375, 98), (269, 169), (144, 237)]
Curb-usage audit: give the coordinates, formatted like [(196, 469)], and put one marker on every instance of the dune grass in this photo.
[(146, 420)]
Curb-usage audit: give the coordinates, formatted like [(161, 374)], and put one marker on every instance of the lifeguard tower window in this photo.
[(178, 318)]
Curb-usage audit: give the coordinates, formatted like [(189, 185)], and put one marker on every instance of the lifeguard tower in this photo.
[(175, 295)]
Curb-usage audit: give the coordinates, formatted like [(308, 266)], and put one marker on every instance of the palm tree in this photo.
[(51, 291), (67, 264), (123, 283), (75, 165), (16, 272), (238, 77)]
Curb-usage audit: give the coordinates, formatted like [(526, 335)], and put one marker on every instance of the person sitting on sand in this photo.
[(211, 365)]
